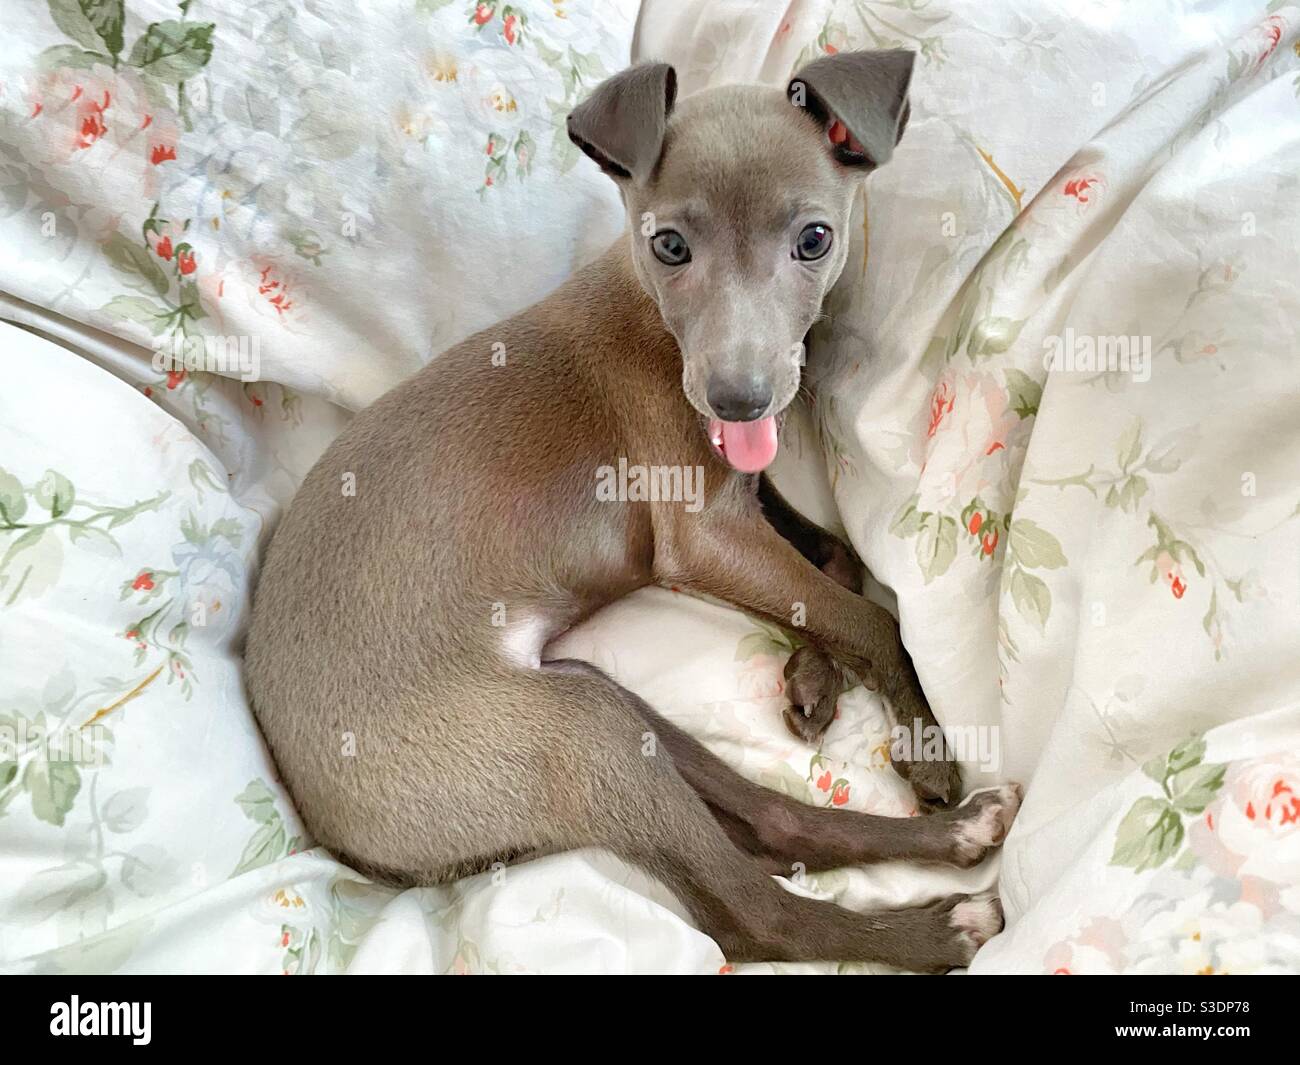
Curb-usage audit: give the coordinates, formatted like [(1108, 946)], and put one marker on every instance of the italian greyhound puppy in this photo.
[(396, 655)]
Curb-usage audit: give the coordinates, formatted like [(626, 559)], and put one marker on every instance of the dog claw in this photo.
[(807, 709)]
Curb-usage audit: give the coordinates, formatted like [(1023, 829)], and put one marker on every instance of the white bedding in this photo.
[(1082, 174)]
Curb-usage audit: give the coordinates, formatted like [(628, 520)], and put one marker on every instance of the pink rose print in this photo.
[(1268, 35), (1171, 573), (1078, 188), (941, 402), (274, 290), (1085, 189), (1097, 948), (85, 117), (92, 117), (231, 289), (1251, 832), (970, 419), (761, 677)]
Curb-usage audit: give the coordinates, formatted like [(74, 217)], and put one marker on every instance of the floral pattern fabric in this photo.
[(1095, 566)]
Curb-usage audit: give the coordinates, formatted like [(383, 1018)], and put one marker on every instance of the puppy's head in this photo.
[(739, 200)]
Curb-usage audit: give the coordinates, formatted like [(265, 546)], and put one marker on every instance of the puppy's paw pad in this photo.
[(811, 676), (935, 783), (983, 821), (976, 920), (808, 723)]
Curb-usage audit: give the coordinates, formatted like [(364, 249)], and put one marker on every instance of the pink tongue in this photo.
[(748, 446)]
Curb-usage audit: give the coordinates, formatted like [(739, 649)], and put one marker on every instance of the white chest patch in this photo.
[(523, 640)]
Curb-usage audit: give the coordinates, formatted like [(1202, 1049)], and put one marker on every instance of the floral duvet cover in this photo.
[(1057, 413)]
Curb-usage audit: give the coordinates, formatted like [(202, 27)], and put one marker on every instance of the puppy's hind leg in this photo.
[(628, 795), (783, 834)]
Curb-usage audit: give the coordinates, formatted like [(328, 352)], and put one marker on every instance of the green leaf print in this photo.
[(271, 842), (1129, 448), (93, 24), (1034, 547), (1024, 393), (1029, 546), (173, 51), (258, 802), (132, 258), (1153, 830), (53, 786), (907, 522), (126, 810), (55, 493), (936, 545), (33, 559), (13, 503), (96, 541), (993, 336), (1195, 788), (1149, 835), (31, 566), (68, 55), (1187, 754), (146, 312), (1032, 597)]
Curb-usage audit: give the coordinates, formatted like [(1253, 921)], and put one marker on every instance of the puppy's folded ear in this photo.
[(860, 99), (621, 124)]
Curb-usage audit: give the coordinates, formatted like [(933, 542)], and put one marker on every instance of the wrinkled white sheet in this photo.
[(1114, 172)]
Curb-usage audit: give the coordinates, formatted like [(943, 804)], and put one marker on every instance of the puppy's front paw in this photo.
[(936, 781), (813, 683), (982, 822)]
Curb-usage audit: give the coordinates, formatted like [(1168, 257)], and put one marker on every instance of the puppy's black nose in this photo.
[(739, 401)]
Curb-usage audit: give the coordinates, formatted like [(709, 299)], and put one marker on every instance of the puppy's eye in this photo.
[(813, 242), (670, 248)]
